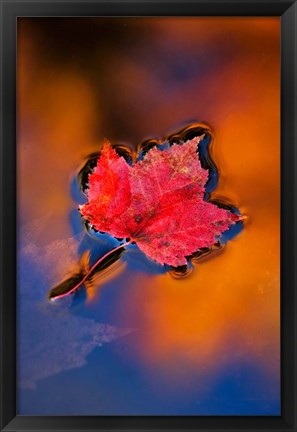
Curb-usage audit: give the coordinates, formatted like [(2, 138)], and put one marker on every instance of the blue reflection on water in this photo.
[(109, 385)]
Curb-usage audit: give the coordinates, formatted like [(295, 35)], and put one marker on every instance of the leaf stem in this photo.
[(90, 271)]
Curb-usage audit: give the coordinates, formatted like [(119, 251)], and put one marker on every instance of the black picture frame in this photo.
[(287, 11)]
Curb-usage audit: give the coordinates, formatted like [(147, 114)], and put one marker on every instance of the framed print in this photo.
[(148, 207)]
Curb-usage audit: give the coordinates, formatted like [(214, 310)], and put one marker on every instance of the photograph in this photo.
[(148, 154)]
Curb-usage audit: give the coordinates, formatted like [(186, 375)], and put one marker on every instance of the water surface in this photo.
[(143, 342)]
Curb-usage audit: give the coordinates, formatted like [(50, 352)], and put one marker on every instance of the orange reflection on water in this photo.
[(56, 113), (136, 86), (228, 306)]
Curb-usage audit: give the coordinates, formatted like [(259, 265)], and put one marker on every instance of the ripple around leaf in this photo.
[(101, 214), (180, 272), (87, 168)]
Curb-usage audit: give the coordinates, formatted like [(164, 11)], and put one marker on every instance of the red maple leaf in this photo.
[(157, 203)]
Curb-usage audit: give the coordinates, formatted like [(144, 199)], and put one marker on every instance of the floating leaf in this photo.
[(158, 203)]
